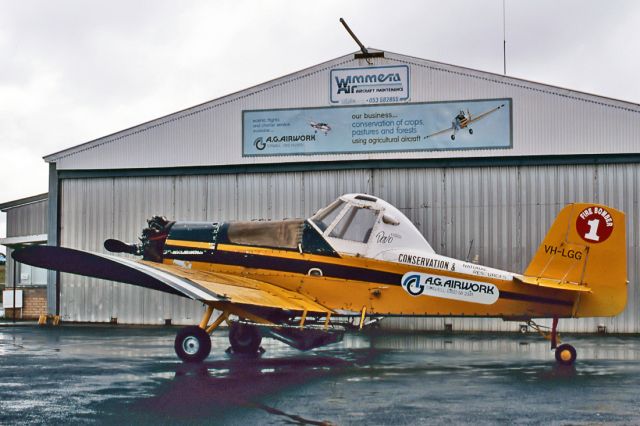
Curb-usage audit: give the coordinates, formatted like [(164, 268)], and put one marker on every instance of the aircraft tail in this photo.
[(585, 251)]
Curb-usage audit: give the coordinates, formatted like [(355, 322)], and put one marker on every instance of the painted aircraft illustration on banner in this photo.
[(463, 121), (320, 127), (302, 281)]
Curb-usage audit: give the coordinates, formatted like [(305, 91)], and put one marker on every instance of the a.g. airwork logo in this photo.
[(419, 284), (371, 85), (259, 143), (276, 141)]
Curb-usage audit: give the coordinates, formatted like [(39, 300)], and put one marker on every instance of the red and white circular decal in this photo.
[(594, 224)]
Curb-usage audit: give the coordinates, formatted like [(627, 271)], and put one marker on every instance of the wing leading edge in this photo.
[(172, 279)]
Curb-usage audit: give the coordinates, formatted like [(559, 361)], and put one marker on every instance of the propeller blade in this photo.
[(117, 246)]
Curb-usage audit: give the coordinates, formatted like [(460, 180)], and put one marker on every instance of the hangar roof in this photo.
[(4, 207), (541, 120)]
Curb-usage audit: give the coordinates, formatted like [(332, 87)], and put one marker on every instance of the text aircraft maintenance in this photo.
[(463, 121), (359, 257)]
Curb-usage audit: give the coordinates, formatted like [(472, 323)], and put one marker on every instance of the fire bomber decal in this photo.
[(417, 284)]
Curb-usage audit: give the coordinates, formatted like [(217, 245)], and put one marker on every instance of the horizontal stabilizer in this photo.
[(551, 283)]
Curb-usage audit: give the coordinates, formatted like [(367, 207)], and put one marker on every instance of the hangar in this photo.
[(480, 162), (26, 224)]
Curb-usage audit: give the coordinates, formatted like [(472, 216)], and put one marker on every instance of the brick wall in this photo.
[(34, 302)]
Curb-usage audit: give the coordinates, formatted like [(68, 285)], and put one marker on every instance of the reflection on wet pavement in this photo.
[(76, 374)]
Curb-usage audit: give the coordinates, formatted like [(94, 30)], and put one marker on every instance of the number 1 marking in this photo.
[(593, 230)]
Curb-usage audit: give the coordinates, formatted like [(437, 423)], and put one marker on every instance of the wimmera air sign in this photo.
[(373, 85)]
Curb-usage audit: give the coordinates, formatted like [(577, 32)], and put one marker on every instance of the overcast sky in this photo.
[(73, 71)]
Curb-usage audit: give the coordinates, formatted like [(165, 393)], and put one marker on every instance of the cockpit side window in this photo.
[(325, 217), (355, 225)]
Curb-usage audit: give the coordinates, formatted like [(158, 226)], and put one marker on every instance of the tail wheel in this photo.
[(453, 137), (470, 131), (566, 354), (192, 344), (244, 338)]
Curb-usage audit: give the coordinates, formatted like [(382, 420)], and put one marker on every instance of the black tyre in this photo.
[(453, 137), (470, 131), (192, 344), (244, 339), (566, 354)]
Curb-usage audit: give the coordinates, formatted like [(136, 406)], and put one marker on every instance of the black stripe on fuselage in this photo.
[(297, 266), (300, 266), (534, 299)]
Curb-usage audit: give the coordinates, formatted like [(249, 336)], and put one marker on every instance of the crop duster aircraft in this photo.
[(463, 121), (359, 257), (322, 127)]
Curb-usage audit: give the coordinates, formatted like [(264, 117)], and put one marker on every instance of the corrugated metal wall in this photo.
[(30, 219), (22, 221), (501, 213)]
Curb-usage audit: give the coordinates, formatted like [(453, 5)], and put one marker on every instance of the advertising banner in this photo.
[(454, 125), (371, 85)]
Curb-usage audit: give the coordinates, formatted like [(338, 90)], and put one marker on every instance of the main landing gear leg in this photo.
[(193, 343)]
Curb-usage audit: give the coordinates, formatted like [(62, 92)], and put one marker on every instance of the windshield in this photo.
[(326, 216), (355, 225)]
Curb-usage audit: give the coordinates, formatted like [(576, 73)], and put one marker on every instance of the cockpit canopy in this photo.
[(355, 224), (368, 226)]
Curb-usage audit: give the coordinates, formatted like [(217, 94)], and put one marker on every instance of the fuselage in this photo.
[(296, 255)]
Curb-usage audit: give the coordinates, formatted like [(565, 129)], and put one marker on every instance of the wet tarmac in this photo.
[(121, 375)]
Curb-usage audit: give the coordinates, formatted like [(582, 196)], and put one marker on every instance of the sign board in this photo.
[(371, 85), (7, 299), (431, 126)]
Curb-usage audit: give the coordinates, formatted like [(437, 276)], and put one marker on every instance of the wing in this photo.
[(449, 129), (241, 290), (484, 114), (173, 279)]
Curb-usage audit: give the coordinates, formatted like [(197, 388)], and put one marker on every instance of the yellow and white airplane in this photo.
[(359, 257), (463, 121)]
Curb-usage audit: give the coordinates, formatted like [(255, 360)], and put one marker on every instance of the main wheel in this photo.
[(244, 339), (566, 354), (192, 344), (470, 131), (453, 137)]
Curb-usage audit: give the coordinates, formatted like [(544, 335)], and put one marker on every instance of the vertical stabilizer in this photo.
[(586, 246)]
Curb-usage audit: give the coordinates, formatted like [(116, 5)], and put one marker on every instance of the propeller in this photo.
[(117, 246)]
